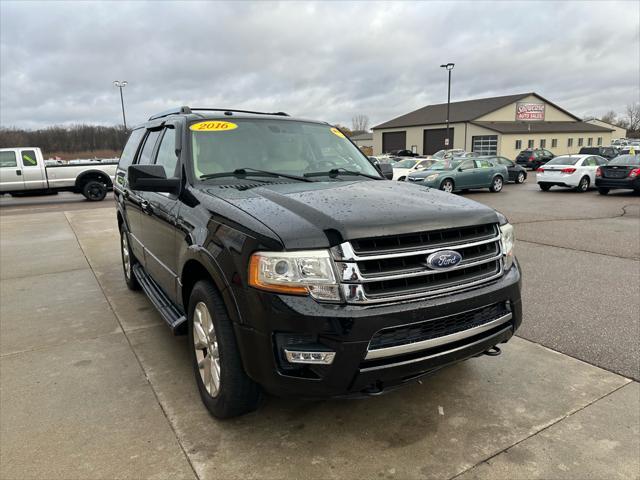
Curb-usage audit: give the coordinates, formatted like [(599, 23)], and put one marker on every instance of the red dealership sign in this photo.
[(529, 111)]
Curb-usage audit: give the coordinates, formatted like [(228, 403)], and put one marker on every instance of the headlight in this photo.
[(308, 272), (431, 177), (508, 239)]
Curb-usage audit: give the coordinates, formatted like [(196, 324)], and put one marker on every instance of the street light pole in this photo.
[(121, 85), (449, 67)]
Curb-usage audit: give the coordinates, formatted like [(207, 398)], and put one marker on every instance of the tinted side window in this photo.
[(147, 150), (467, 164), (29, 158), (8, 159), (167, 153), (130, 149)]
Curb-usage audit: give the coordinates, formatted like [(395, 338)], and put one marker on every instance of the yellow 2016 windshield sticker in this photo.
[(337, 132), (213, 126)]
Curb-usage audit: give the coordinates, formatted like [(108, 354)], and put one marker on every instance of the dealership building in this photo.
[(498, 125)]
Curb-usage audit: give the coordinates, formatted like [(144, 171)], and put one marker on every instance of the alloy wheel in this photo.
[(497, 184), (521, 177), (447, 186), (584, 184), (205, 343), (126, 257)]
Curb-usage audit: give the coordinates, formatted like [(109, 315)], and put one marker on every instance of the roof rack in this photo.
[(227, 111)]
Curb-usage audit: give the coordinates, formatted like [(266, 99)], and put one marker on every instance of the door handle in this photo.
[(18, 172)]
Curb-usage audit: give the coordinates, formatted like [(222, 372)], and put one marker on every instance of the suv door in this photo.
[(136, 204), (159, 219), (10, 173)]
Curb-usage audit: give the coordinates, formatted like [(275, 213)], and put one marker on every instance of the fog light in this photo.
[(323, 358)]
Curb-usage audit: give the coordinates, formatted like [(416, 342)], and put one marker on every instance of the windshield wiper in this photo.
[(243, 172), (340, 171)]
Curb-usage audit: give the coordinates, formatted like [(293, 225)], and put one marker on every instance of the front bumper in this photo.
[(348, 329), (626, 183)]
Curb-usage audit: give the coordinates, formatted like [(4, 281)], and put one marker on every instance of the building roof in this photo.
[(362, 136), (606, 123), (543, 127), (465, 111)]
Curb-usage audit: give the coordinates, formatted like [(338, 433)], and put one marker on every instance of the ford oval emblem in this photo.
[(444, 259)]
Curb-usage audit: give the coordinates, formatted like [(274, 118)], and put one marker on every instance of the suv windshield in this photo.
[(280, 146), (566, 160), (626, 160), (445, 165)]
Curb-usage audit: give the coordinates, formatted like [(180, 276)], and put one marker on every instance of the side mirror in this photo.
[(386, 169), (151, 178)]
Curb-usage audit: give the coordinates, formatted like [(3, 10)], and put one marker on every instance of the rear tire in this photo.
[(215, 345), (447, 185), (94, 191), (496, 184), (603, 191), (128, 260), (521, 177), (583, 185), (544, 187)]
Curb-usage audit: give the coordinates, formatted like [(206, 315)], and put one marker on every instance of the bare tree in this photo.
[(609, 117), (633, 116), (360, 123)]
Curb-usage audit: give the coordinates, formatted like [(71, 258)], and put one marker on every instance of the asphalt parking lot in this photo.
[(95, 386)]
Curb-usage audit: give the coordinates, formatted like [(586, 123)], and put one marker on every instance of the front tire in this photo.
[(583, 186), (603, 191), (497, 184), (225, 388), (544, 187), (128, 260), (447, 185)]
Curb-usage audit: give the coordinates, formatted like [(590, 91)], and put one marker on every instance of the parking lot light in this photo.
[(448, 67), (121, 84)]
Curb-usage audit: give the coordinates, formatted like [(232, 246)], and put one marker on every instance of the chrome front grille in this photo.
[(386, 269)]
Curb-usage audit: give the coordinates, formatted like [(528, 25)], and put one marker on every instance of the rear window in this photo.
[(626, 160), (130, 149), (588, 150), (566, 160)]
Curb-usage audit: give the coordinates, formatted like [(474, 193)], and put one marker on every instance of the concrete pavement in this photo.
[(95, 386)]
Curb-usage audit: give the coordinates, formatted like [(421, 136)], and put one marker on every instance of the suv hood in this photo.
[(301, 214)]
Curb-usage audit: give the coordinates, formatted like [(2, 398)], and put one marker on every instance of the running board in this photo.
[(167, 309)]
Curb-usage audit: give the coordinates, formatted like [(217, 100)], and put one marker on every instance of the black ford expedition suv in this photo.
[(296, 268)]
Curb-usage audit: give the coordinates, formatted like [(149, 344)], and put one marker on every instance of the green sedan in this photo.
[(462, 174)]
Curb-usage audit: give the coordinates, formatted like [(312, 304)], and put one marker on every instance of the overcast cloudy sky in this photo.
[(327, 60)]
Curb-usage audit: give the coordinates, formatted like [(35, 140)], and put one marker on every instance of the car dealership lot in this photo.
[(95, 386)]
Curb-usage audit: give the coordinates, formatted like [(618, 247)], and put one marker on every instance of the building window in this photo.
[(543, 143), (570, 142), (580, 142), (554, 143), (485, 144), (589, 141), (518, 144), (530, 144), (599, 141)]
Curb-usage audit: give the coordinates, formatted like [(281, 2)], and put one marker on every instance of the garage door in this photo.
[(433, 140), (485, 144), (394, 141)]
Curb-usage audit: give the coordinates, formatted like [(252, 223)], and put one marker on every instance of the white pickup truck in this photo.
[(23, 171)]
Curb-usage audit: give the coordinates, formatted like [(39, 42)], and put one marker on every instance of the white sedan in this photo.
[(403, 168), (573, 171)]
